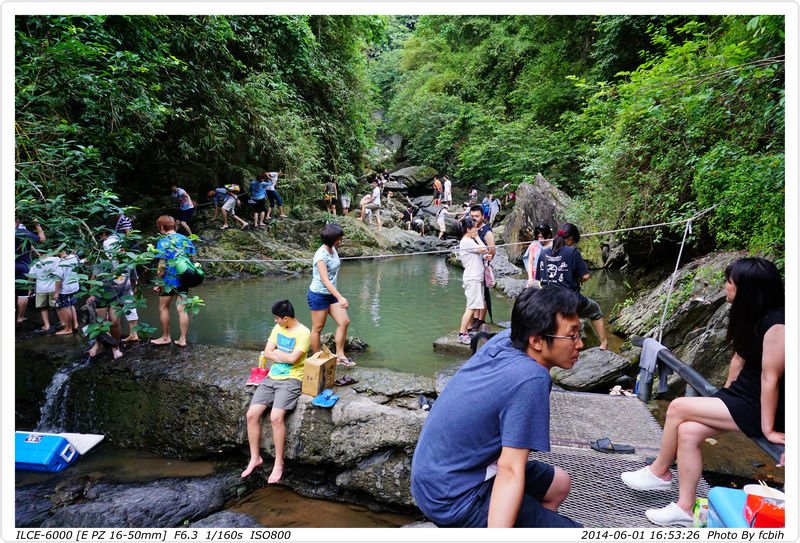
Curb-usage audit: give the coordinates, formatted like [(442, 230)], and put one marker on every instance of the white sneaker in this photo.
[(671, 515), (644, 479)]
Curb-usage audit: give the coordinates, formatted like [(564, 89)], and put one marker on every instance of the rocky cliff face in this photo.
[(697, 317)]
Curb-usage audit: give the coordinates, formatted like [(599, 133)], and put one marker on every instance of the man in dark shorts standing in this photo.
[(470, 467), (287, 348), (487, 237), (187, 209), (169, 247)]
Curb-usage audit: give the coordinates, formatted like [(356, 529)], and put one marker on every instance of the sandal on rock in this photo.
[(344, 381), (605, 445), (326, 398), (346, 362)]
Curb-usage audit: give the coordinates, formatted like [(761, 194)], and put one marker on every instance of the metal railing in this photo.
[(696, 385)]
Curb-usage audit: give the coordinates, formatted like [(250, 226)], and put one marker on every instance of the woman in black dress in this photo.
[(751, 402)]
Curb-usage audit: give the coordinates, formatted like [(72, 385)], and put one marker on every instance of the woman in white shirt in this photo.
[(470, 251)]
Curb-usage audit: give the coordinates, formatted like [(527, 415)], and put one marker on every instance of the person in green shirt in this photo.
[(287, 348)]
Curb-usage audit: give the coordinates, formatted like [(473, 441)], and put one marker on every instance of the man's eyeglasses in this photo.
[(574, 338)]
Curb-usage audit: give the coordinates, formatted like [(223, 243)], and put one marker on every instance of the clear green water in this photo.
[(399, 306)]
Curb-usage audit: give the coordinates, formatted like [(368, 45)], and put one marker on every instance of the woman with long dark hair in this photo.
[(562, 265), (751, 402)]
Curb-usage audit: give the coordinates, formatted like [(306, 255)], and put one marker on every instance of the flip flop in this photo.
[(326, 398), (346, 362), (606, 446), (344, 381)]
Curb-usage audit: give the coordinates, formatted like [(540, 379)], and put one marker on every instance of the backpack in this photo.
[(233, 187), (189, 273)]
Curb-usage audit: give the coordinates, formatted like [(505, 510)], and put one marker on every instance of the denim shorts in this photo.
[(319, 302)]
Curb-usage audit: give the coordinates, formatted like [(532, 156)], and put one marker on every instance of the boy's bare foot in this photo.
[(251, 466), (64, 333), (275, 476), (116, 353), (163, 340), (604, 345), (180, 343), (130, 339)]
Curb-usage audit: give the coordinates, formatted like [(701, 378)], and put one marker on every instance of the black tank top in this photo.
[(748, 382)]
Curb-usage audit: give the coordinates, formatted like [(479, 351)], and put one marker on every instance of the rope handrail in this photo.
[(450, 250), (699, 384)]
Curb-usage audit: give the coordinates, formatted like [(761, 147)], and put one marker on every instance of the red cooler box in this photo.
[(42, 452)]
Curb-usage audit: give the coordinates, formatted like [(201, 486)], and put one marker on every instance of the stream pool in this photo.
[(399, 306)]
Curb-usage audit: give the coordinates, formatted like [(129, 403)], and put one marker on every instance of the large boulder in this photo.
[(190, 403), (414, 178), (595, 370), (501, 266), (510, 286), (537, 202), (696, 321), (164, 503)]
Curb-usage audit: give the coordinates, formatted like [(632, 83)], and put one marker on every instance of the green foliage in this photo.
[(700, 125), (642, 119), (143, 100)]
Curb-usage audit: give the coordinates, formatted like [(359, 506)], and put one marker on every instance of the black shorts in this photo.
[(185, 215), (20, 274), (260, 205)]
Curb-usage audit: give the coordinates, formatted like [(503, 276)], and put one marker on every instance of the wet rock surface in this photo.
[(227, 519), (190, 403), (163, 503), (695, 328)]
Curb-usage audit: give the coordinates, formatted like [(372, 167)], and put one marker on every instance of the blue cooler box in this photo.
[(42, 452), (726, 508)]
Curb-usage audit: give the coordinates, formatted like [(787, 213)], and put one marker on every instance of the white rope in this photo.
[(686, 232), (450, 250)]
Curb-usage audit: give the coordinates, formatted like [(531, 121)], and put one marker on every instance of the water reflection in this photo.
[(399, 306), (440, 273)]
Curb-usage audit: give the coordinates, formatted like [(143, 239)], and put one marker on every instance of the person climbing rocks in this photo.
[(258, 195), (286, 348), (274, 197), (372, 202), (186, 208), (227, 200)]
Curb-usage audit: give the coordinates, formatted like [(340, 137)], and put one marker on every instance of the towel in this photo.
[(648, 361)]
